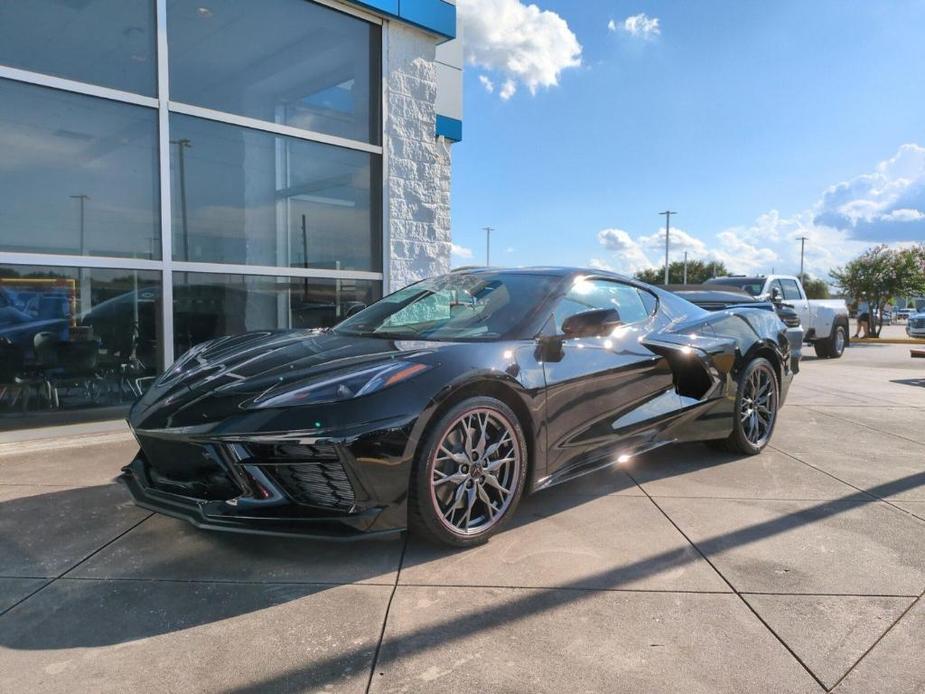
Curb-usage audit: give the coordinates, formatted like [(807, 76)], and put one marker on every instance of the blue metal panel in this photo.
[(433, 15), (450, 128), (436, 15)]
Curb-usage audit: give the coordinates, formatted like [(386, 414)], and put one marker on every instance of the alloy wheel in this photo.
[(758, 408), (475, 471)]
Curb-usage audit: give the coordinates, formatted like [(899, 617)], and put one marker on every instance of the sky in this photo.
[(758, 122)]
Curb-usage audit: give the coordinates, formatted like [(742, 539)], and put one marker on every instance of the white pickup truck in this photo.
[(825, 322)]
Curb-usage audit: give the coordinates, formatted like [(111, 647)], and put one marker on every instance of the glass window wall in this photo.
[(211, 305), (110, 43), (249, 197), (294, 63), (75, 338), (271, 150), (78, 174)]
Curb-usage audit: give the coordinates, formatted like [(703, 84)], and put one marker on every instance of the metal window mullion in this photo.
[(274, 271), (163, 119), (386, 229), (93, 262), (43, 80), (274, 128)]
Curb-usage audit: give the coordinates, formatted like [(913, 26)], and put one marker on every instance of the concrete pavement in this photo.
[(801, 569)]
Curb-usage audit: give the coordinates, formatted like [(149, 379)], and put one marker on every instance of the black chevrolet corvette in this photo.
[(439, 406)]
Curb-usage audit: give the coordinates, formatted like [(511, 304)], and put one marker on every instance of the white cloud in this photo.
[(460, 251), (487, 83), (642, 26), (887, 205), (679, 242), (508, 89), (521, 43), (611, 25), (629, 257)]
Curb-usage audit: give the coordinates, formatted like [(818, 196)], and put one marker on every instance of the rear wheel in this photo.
[(834, 345), (469, 475), (756, 406)]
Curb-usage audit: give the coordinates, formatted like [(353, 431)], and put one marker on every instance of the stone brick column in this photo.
[(418, 176)]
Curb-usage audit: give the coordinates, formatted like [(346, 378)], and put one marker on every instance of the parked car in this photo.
[(903, 314), (824, 321), (439, 406), (713, 298), (915, 326)]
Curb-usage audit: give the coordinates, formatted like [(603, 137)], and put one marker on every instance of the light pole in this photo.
[(685, 267), (667, 214), (488, 231), (82, 198), (803, 240), (183, 144), (83, 274)]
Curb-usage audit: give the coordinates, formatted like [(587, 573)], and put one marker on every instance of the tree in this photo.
[(880, 273), (698, 272), (815, 289)]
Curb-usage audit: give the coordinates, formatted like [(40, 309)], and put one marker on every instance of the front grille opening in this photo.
[(186, 469), (213, 486), (323, 483)]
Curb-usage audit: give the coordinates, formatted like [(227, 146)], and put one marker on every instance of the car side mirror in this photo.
[(776, 296), (594, 323)]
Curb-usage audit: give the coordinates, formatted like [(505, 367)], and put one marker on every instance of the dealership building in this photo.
[(176, 170)]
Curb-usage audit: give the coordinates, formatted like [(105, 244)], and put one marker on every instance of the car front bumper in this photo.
[(341, 487)]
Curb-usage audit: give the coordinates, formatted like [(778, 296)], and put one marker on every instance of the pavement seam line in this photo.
[(385, 618), (838, 479), (62, 575), (874, 644), (736, 591), (812, 408)]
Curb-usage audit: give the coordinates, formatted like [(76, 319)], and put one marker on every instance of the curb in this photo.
[(887, 341)]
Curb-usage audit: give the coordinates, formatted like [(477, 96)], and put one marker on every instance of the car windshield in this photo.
[(459, 306), (752, 285)]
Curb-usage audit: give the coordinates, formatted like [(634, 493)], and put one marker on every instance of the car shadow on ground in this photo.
[(129, 610), (920, 382)]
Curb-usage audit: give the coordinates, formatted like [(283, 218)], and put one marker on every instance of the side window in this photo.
[(791, 290), (588, 295)]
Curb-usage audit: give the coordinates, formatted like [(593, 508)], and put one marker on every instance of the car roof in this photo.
[(549, 270)]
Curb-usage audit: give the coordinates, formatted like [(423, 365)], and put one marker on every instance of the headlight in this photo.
[(342, 387)]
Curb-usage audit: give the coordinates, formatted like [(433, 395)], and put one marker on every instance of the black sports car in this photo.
[(439, 406)]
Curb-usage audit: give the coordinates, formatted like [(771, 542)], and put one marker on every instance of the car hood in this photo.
[(230, 371)]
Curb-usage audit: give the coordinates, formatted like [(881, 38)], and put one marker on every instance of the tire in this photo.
[(833, 347), (464, 488), (745, 439)]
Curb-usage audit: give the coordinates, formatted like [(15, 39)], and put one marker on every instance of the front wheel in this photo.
[(469, 475), (756, 405)]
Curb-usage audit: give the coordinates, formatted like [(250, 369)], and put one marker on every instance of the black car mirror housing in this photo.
[(594, 323)]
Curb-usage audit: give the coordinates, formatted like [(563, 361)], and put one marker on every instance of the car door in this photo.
[(594, 381), (793, 295)]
